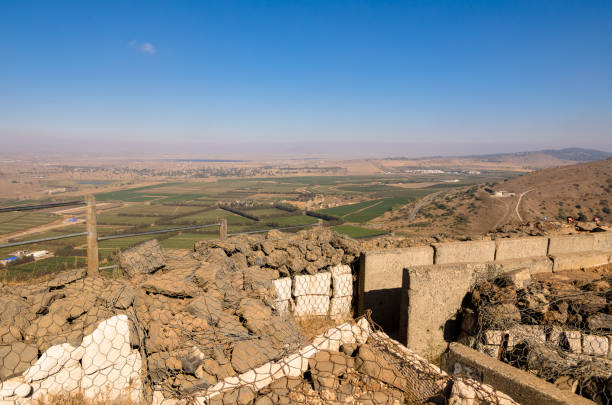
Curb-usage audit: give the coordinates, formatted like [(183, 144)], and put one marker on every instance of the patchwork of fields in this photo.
[(169, 205)]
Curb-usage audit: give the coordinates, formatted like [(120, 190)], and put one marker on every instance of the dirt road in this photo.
[(39, 229), (519, 203), (420, 204)]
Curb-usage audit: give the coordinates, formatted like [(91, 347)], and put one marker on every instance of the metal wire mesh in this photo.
[(210, 326), (559, 328)]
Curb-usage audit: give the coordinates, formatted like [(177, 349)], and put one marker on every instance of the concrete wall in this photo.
[(432, 295), (380, 281), (603, 241), (573, 261), (380, 274), (520, 248), (571, 244), (465, 252), (522, 386)]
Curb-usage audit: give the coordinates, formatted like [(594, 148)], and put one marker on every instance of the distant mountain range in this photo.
[(572, 154)]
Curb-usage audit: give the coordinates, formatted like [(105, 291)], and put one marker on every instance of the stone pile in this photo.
[(557, 328), (197, 317), (217, 325)]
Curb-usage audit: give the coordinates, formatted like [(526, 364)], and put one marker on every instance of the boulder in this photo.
[(249, 354), (144, 258), (16, 358)]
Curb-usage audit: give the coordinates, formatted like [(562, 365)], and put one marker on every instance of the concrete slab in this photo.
[(576, 261), (520, 248), (431, 296), (603, 241), (520, 385), (571, 244), (380, 281), (464, 252)]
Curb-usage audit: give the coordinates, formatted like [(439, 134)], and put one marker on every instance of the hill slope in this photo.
[(544, 195)]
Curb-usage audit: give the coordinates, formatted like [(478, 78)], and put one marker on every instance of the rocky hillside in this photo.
[(538, 199)]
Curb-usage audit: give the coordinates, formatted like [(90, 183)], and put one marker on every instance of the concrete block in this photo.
[(431, 295), (520, 278), (523, 387), (342, 285), (535, 265), (282, 287), (317, 284), (572, 340), (380, 281), (464, 252), (311, 305), (603, 241), (340, 306), (570, 244), (595, 345), (521, 248), (576, 261), (383, 269)]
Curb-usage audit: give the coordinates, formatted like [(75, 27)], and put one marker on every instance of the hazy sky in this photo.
[(371, 77)]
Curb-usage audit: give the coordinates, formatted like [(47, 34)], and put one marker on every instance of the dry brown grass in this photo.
[(79, 399), (316, 325)]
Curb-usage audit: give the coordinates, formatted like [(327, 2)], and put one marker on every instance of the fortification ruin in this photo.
[(271, 319)]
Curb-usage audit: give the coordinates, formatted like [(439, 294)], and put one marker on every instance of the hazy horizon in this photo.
[(317, 78)]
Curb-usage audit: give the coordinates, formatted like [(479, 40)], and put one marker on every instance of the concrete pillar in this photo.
[(92, 238), (223, 229)]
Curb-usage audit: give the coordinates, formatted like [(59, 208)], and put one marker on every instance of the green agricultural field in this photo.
[(344, 210), (155, 210), (212, 216), (11, 222), (41, 268), (112, 218), (186, 240), (266, 212), (358, 232), (179, 198), (293, 220), (107, 247), (138, 194)]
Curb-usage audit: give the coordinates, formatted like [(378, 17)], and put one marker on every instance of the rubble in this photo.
[(556, 327)]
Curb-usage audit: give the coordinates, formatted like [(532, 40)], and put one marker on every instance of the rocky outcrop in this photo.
[(145, 258)]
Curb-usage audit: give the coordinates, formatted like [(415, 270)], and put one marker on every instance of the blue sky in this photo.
[(378, 77)]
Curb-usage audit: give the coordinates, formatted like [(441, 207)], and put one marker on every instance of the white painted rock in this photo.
[(315, 305), (340, 306), (343, 285), (66, 381), (317, 284), (107, 345), (282, 287), (121, 379), (340, 269), (52, 361)]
